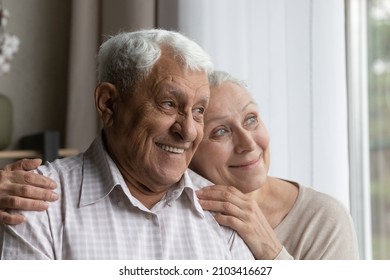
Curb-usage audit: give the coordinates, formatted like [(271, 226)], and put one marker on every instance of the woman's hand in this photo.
[(241, 213), (23, 190)]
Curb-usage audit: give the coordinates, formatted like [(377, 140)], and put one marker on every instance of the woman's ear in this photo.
[(106, 96)]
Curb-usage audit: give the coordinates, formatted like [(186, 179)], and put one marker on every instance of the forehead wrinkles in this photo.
[(185, 81), (170, 70), (180, 86), (222, 109)]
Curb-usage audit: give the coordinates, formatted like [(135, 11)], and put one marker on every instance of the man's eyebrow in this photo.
[(173, 91), (204, 100), (179, 93)]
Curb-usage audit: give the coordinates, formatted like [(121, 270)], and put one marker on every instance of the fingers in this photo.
[(233, 222), (11, 219), (219, 193), (224, 207), (25, 190), (36, 180), (228, 215), (19, 203), (23, 164), (233, 208), (30, 164), (30, 192), (223, 199), (9, 178)]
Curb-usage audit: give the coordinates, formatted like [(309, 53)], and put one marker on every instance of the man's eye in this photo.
[(199, 110), (198, 113), (168, 104)]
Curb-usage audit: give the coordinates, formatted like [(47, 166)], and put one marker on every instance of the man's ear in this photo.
[(106, 95)]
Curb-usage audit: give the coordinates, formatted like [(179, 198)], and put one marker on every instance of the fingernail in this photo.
[(201, 202), (44, 205), (54, 196)]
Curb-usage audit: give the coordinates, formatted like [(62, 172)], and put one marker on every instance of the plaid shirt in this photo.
[(96, 217)]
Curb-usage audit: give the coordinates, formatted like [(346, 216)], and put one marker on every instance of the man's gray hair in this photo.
[(128, 58), (217, 78)]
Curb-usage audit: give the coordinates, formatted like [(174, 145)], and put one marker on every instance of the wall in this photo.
[(37, 83)]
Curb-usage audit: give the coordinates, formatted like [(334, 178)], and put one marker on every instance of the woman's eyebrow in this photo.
[(217, 118), (250, 103)]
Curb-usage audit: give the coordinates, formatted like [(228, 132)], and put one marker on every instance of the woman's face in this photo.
[(235, 147)]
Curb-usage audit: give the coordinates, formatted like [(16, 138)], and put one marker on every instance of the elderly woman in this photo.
[(276, 218)]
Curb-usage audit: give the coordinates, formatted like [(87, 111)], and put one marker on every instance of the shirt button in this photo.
[(148, 216)]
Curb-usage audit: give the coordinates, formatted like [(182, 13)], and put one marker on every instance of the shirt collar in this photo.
[(186, 187), (100, 174)]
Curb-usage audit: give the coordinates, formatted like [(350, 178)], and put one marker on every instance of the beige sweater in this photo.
[(317, 227)]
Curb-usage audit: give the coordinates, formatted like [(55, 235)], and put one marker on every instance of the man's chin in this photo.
[(171, 178)]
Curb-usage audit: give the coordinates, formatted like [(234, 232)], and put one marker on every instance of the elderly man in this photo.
[(130, 195)]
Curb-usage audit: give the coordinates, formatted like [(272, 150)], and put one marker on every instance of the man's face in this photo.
[(156, 130)]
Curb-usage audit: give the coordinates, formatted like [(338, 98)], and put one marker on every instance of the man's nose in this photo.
[(185, 127)]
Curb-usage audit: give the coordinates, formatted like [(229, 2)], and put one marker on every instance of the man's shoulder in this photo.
[(61, 166), (90, 159)]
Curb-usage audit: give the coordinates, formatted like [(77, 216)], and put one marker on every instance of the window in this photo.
[(378, 71), (368, 30)]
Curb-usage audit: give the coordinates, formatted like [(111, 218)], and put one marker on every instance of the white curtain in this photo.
[(292, 54)]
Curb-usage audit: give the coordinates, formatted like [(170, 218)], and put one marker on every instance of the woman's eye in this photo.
[(251, 120), (220, 132)]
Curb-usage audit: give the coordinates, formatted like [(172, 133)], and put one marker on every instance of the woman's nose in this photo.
[(243, 141)]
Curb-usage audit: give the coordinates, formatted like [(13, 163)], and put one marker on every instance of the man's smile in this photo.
[(170, 149)]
